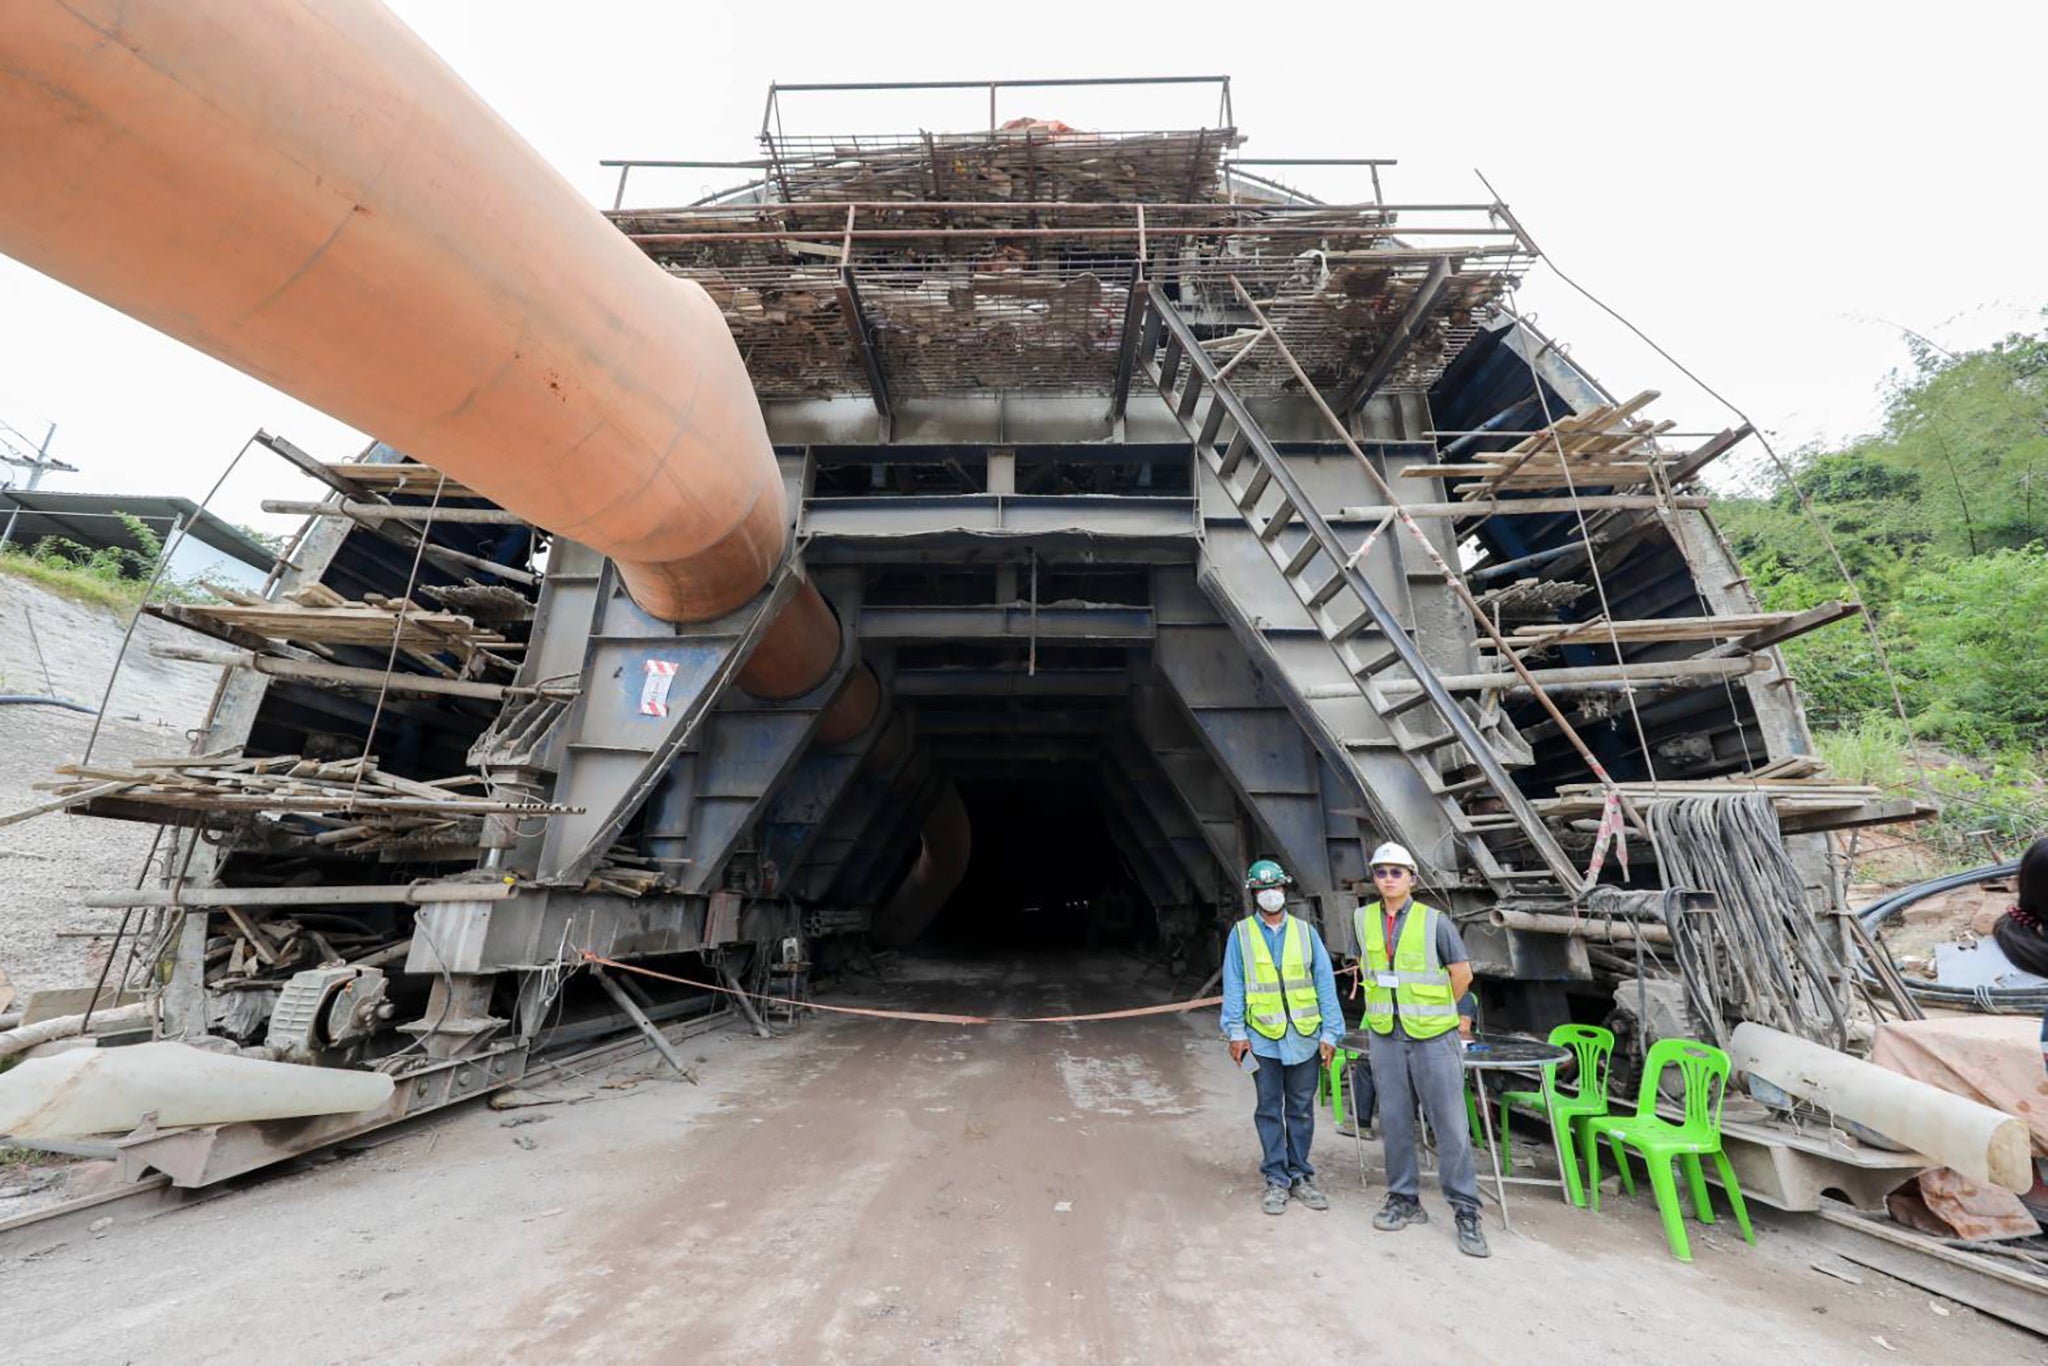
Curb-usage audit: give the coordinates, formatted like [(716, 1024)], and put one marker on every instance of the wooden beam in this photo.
[(360, 511), (1889, 811), (1536, 473), (337, 479), (408, 478), (1524, 507), (379, 894), (342, 676), (1753, 625), (1795, 624), (1698, 672), (1690, 464)]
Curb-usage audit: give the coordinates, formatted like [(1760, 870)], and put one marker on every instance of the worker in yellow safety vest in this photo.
[(1282, 1018), (1415, 970)]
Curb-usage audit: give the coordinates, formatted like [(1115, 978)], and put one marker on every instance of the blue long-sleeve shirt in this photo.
[(1293, 1046)]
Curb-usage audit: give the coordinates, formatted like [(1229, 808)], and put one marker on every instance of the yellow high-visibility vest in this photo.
[(1420, 985), (1276, 994)]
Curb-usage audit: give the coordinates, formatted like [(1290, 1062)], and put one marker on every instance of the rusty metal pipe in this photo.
[(302, 189)]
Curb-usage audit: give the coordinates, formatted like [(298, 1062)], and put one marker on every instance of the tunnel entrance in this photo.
[(1045, 874)]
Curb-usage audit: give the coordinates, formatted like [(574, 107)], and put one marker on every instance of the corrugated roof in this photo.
[(88, 518)]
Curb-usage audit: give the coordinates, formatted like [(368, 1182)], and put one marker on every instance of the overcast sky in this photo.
[(1770, 190)]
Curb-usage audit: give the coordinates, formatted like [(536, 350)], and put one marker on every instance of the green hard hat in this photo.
[(1266, 873)]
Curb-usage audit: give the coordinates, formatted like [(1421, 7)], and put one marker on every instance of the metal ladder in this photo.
[(1370, 640)]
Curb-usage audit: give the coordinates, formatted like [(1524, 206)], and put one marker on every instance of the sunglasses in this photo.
[(1390, 870)]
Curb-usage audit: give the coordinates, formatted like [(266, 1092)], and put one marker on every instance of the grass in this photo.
[(1872, 752), (1992, 806), (78, 583)]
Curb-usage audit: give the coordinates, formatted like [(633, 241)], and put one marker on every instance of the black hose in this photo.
[(24, 699), (1991, 1000)]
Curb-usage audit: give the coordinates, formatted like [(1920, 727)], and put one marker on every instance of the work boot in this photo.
[(1398, 1212), (1471, 1240), (1276, 1200), (1306, 1191)]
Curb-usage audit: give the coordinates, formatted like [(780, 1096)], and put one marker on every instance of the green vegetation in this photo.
[(111, 577), (1942, 518)]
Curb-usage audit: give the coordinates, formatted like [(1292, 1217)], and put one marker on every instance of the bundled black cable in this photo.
[(2022, 942), (1762, 956)]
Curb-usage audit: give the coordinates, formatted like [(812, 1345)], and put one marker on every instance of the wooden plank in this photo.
[(403, 478), (1890, 811), (341, 676), (387, 512), (66, 803), (1799, 623), (1983, 1283), (1689, 465), (1651, 629), (1533, 475)]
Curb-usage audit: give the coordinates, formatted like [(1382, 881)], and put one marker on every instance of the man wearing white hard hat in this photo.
[(1415, 969)]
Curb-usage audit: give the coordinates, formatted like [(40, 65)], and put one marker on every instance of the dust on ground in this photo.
[(52, 645), (867, 1190)]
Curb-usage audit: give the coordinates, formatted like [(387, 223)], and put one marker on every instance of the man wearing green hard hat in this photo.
[(1283, 1020)]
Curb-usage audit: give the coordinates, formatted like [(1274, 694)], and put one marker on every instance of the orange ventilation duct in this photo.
[(941, 864), (303, 190)]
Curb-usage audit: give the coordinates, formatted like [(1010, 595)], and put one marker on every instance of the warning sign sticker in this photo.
[(661, 675)]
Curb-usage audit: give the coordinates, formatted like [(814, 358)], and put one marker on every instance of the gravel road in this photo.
[(881, 1191), (47, 861)]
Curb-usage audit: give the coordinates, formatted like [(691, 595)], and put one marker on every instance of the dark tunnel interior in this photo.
[(1045, 874)]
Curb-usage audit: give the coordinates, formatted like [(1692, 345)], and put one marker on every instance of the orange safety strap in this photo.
[(919, 1016)]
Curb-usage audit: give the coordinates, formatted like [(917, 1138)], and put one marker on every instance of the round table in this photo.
[(1499, 1053), (1482, 1053)]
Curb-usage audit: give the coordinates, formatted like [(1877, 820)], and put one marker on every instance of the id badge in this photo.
[(1389, 980)]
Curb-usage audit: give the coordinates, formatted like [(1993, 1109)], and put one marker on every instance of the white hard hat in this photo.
[(1392, 853)]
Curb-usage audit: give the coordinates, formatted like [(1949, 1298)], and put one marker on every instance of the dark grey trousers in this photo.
[(1428, 1073)]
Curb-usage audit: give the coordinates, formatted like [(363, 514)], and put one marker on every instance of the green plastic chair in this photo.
[(1568, 1111), (1330, 1086), (1661, 1142)]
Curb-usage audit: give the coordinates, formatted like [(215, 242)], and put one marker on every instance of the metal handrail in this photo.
[(1396, 635)]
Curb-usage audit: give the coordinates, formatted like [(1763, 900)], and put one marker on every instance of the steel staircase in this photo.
[(1486, 811)]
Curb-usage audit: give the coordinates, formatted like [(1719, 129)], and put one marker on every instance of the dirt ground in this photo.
[(883, 1191), (46, 862)]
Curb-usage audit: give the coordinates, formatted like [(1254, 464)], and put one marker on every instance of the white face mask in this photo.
[(1271, 899)]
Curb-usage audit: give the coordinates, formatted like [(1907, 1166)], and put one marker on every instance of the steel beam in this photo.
[(973, 518), (1076, 683), (1245, 724), (1092, 625), (647, 687), (862, 337), (718, 788), (1162, 729), (1396, 346), (875, 791)]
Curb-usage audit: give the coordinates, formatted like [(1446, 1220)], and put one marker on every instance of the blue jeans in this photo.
[(1286, 1118)]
